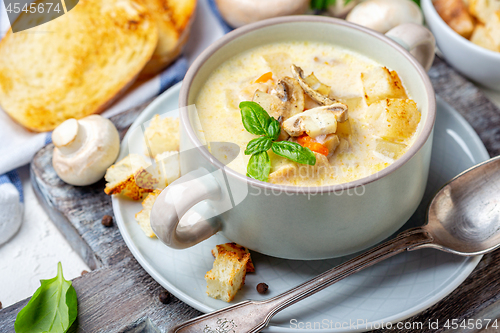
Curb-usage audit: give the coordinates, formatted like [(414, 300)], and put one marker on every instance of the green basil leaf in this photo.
[(274, 129), (295, 152), (52, 308), (259, 166), (255, 119), (324, 4), (258, 145)]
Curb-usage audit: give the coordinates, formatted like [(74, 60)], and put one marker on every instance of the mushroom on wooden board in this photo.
[(84, 149)]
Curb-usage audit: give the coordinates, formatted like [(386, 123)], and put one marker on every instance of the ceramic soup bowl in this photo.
[(288, 221)]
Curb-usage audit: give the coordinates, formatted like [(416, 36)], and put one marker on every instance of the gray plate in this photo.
[(386, 293)]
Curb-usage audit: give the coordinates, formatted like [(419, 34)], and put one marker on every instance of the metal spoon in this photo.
[(463, 218)]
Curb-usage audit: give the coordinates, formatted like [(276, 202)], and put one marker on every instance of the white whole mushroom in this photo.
[(84, 149), (240, 12), (383, 15)]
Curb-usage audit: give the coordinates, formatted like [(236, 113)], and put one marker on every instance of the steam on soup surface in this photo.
[(353, 113)]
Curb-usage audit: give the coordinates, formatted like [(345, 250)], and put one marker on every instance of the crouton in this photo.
[(455, 14), (390, 149), (238, 249), (143, 216), (130, 178), (394, 119), (162, 135), (482, 37), (380, 83), (483, 9), (493, 26), (227, 275), (169, 168)]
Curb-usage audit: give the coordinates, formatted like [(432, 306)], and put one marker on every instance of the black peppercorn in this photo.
[(164, 296), (262, 288), (107, 221)]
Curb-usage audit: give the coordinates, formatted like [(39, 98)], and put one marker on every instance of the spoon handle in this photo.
[(253, 316)]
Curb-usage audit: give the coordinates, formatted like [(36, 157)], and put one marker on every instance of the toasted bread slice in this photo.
[(227, 275), (143, 217), (173, 18), (380, 83), (238, 249), (75, 65), (162, 135), (130, 178)]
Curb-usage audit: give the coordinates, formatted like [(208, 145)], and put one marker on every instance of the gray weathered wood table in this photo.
[(119, 296)]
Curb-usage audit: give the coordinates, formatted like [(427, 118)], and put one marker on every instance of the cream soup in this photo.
[(377, 126)]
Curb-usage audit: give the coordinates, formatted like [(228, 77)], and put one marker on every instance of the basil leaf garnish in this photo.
[(295, 152), (259, 166), (255, 118), (51, 309), (324, 4), (258, 145), (274, 129)]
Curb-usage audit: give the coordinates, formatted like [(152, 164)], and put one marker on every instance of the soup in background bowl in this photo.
[(285, 220)]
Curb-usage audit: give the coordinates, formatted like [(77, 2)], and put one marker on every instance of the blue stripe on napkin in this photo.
[(173, 74), (213, 6), (13, 177), (48, 138)]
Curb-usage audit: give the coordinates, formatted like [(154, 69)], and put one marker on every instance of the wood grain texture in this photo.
[(119, 296)]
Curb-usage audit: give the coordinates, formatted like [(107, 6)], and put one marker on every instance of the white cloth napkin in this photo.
[(17, 145)]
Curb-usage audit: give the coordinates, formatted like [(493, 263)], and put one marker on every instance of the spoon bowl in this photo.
[(464, 216)]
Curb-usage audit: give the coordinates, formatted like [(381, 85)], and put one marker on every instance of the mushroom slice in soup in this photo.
[(319, 98), (318, 121), (290, 93), (285, 101), (271, 103), (313, 82), (274, 106)]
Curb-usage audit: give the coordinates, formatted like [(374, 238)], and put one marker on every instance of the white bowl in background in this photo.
[(473, 61)]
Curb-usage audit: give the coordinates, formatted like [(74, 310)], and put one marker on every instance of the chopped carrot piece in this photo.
[(265, 77), (308, 142)]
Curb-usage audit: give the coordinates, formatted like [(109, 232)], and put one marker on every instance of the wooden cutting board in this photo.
[(119, 296)]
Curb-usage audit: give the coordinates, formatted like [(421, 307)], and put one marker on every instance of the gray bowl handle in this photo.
[(173, 207), (417, 40)]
